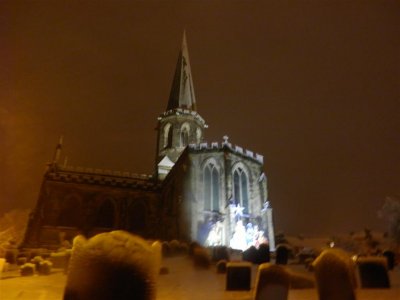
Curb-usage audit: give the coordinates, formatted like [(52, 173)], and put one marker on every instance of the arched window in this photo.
[(105, 215), (211, 187), (240, 188), (167, 143), (185, 134)]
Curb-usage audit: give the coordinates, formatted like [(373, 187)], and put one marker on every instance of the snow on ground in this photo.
[(182, 283)]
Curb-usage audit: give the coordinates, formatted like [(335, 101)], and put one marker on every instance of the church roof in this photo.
[(182, 92), (100, 177)]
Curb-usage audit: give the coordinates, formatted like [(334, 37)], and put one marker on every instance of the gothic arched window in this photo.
[(211, 187), (185, 134), (167, 136), (241, 188)]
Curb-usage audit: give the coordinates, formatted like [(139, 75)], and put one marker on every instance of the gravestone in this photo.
[(282, 255), (373, 272), (390, 258), (263, 254), (250, 254), (272, 282), (238, 276), (334, 273)]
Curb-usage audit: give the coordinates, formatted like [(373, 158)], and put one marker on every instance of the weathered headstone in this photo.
[(250, 254), (238, 276), (27, 269), (334, 273), (282, 255), (390, 258), (272, 282), (263, 254), (44, 267), (373, 272), (112, 265)]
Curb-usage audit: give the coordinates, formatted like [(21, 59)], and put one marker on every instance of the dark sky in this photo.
[(314, 86)]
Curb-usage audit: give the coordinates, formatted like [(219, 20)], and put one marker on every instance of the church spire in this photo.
[(182, 92)]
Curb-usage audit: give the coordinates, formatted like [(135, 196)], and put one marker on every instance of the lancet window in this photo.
[(241, 188), (211, 187)]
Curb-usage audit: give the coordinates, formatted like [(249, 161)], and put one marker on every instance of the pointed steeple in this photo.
[(182, 92)]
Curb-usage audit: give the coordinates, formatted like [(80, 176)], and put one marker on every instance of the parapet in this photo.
[(181, 111), (234, 148)]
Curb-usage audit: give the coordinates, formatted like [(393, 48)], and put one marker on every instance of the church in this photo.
[(213, 193)]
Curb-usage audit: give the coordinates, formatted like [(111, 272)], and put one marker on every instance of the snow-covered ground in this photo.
[(182, 283)]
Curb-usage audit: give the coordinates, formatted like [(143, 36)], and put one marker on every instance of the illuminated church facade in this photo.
[(214, 193)]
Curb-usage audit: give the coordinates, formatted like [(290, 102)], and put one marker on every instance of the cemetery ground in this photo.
[(183, 282)]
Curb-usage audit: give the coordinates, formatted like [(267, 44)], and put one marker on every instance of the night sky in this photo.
[(314, 86)]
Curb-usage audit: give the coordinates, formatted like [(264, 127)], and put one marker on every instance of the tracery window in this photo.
[(211, 187), (241, 188)]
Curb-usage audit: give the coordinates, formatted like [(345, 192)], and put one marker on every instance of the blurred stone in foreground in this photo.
[(335, 275), (113, 265)]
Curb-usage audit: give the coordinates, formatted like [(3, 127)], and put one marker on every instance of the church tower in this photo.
[(180, 125)]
